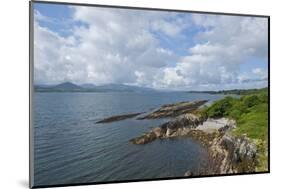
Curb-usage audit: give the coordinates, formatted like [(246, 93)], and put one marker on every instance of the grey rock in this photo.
[(174, 110), (179, 126)]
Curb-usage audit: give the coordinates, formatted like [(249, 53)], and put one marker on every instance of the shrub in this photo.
[(220, 108), (235, 114), (251, 100)]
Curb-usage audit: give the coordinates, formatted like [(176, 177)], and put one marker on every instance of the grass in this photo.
[(251, 114), (254, 123)]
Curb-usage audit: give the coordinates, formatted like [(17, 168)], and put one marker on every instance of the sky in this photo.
[(156, 49)]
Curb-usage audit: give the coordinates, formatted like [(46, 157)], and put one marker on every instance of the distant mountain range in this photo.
[(88, 87), (71, 87)]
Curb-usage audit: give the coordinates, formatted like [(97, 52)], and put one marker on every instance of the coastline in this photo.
[(228, 154), (234, 145), (200, 143)]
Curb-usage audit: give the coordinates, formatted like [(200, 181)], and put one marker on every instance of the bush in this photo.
[(250, 113), (251, 100), (235, 114), (220, 108), (263, 98)]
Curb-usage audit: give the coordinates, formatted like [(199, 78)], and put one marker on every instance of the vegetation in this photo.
[(234, 91), (251, 114)]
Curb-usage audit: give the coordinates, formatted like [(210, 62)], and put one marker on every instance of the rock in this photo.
[(158, 132), (228, 154), (168, 132), (241, 147), (180, 126), (118, 118), (234, 154), (231, 124), (146, 138), (173, 110), (227, 143)]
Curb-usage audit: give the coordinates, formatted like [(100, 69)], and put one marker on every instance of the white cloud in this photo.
[(50, 54), (172, 29), (225, 43), (261, 73), (115, 46), (105, 49)]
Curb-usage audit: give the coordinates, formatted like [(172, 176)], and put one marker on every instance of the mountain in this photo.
[(42, 86), (71, 87), (122, 88), (62, 87), (67, 86), (88, 86)]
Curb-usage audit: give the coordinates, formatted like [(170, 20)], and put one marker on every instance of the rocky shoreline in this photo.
[(179, 126), (227, 154)]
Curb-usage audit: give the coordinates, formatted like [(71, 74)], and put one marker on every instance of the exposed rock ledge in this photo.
[(180, 126), (118, 118), (228, 154), (165, 111), (173, 110)]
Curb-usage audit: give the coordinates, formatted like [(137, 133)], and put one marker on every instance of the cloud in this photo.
[(223, 45), (39, 17), (106, 49), (125, 47), (50, 56), (170, 28), (261, 73)]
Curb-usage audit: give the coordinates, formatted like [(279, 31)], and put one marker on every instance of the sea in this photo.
[(71, 148)]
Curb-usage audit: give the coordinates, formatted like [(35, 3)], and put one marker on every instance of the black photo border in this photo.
[(31, 90)]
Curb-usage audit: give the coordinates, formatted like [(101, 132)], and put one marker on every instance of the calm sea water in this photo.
[(70, 148)]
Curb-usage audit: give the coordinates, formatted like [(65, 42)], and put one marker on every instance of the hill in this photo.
[(71, 87), (234, 91)]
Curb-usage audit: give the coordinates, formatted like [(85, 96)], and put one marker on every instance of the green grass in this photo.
[(254, 123), (251, 114)]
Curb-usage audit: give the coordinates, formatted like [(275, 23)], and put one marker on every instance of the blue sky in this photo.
[(162, 50), (57, 14), (61, 22)]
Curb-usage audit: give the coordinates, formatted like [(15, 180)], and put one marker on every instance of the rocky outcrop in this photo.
[(186, 125), (165, 111), (227, 154), (118, 118), (239, 154), (179, 126), (173, 110)]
